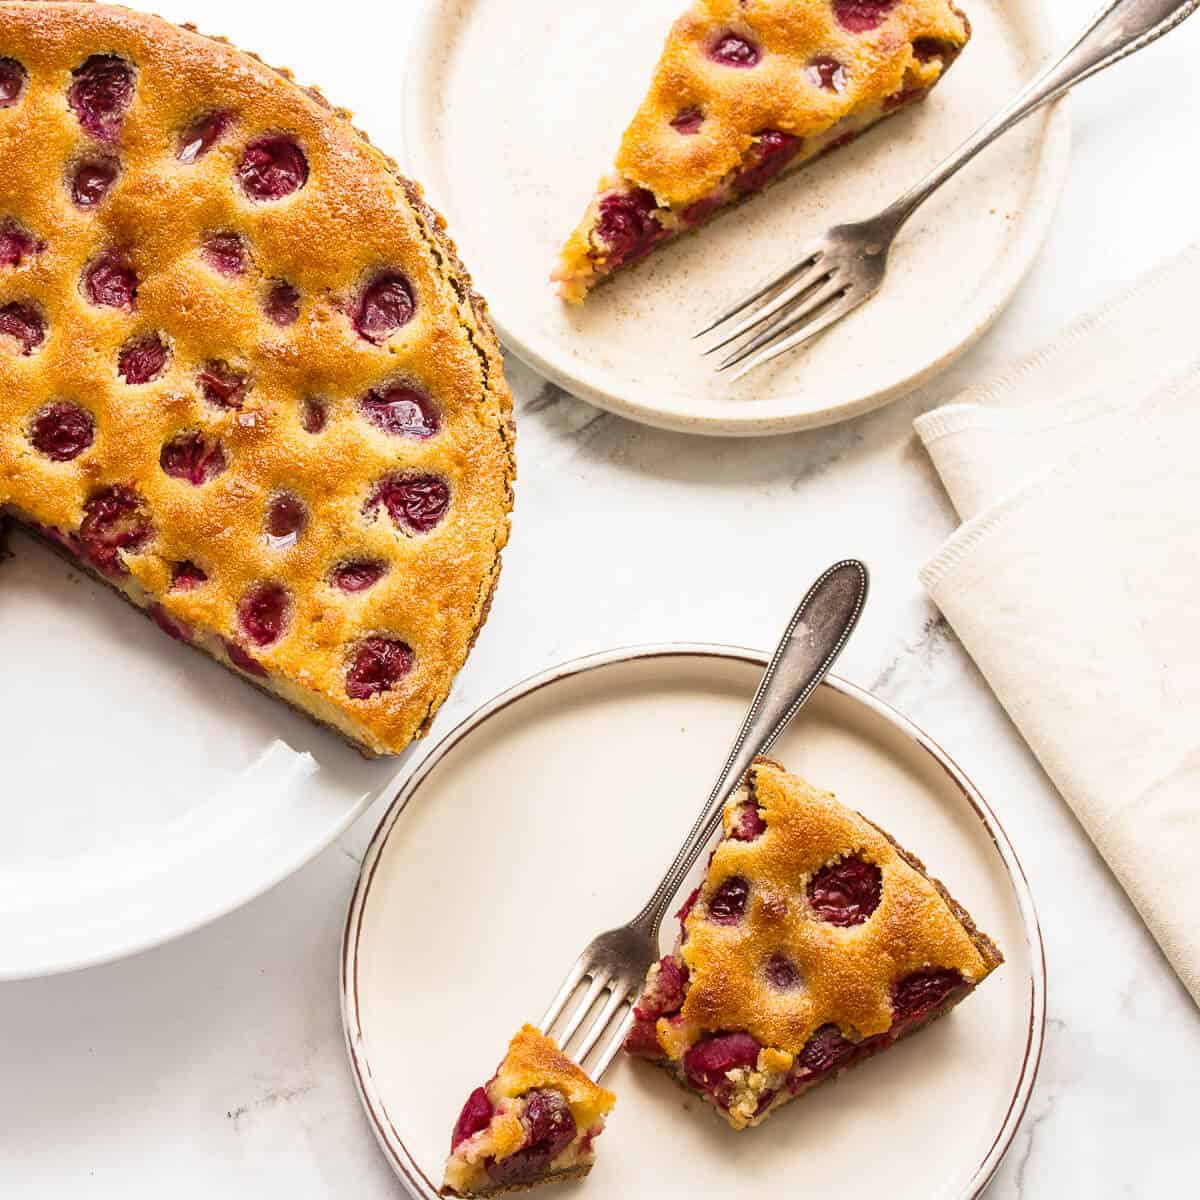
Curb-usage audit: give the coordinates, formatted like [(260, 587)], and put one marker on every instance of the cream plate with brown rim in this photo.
[(550, 814)]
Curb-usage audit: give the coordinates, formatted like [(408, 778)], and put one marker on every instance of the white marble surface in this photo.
[(214, 1066)]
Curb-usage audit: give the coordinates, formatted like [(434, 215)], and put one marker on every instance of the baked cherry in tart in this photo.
[(744, 95), (811, 945), (244, 378), (91, 179), (62, 431), (24, 325), (202, 135), (16, 244), (536, 1120), (13, 78)]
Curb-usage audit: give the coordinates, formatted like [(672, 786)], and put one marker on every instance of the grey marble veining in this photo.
[(214, 1065)]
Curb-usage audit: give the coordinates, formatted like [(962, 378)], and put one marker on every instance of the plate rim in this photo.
[(397, 1154), (221, 904), (1049, 175), (205, 915)]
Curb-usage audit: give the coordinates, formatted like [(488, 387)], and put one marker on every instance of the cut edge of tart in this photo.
[(535, 1121), (298, 463), (814, 942), (743, 96)]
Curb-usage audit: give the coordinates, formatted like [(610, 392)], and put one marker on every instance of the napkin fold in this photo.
[(1074, 580)]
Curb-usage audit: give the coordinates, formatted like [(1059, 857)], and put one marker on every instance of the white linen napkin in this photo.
[(1074, 581)]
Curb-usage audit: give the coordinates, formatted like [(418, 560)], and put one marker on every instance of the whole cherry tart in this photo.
[(813, 943), (273, 414), (535, 1121), (743, 95)]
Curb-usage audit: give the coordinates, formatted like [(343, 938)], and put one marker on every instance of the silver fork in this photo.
[(613, 967), (845, 266)]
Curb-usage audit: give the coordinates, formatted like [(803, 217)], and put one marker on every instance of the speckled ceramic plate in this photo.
[(550, 814), (512, 114)]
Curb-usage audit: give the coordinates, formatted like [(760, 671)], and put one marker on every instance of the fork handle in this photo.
[(811, 644), (1122, 29)]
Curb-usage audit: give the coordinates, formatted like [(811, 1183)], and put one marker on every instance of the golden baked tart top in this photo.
[(813, 942), (243, 375), (746, 91)]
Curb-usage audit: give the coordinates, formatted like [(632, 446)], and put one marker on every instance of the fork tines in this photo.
[(604, 998), (794, 306)]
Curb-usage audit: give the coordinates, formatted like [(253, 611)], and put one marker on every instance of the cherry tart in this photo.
[(744, 93), (244, 378), (814, 942), (534, 1121)]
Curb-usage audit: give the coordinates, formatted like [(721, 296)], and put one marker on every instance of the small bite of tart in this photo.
[(535, 1121)]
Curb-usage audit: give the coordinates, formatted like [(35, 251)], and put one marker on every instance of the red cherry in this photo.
[(204, 133), (286, 519), (688, 121), (918, 995), (282, 304), (263, 613), (748, 824), (193, 457), (549, 1130), (401, 410), (772, 152), (225, 253), (243, 661), (100, 93), (696, 214), (846, 892), (16, 244), (115, 519), (642, 1039), (627, 225), (385, 306), (728, 903), (690, 903), (312, 415), (475, 1116), (377, 666), (24, 324), (173, 627), (827, 73), (13, 78), (665, 991), (109, 281), (731, 50), (782, 973), (826, 1049), (708, 1062), (272, 167), (222, 384), (416, 503), (92, 179), (187, 576), (62, 431), (142, 360), (357, 576), (861, 16)]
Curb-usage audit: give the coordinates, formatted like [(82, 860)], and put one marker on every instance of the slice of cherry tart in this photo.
[(244, 379), (535, 1121), (814, 942), (745, 93)]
